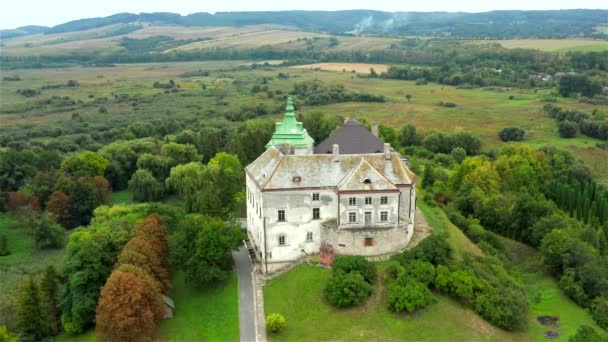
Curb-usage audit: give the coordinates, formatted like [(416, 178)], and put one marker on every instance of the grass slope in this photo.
[(298, 295), (544, 295)]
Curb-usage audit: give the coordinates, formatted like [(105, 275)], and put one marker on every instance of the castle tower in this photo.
[(291, 132)]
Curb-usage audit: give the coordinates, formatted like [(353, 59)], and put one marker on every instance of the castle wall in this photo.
[(353, 241)]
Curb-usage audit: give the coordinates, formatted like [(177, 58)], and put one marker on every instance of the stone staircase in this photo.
[(250, 249), (421, 231)]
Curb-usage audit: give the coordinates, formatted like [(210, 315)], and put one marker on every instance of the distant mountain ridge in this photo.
[(494, 24)]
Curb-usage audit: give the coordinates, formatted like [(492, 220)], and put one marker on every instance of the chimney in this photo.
[(387, 151), (375, 129), (336, 152)]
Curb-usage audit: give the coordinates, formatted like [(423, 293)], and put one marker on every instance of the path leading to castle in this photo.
[(247, 315)]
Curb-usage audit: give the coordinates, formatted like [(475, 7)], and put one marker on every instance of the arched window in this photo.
[(367, 181)]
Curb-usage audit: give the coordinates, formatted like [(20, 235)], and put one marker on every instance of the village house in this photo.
[(357, 196)]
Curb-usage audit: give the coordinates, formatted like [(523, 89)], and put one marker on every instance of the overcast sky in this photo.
[(52, 12)]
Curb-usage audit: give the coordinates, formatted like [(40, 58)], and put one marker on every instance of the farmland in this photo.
[(496, 107), (555, 44)]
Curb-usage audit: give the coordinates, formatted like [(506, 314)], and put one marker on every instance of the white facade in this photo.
[(288, 219)]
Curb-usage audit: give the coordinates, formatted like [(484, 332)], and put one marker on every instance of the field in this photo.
[(490, 106), (360, 68), (104, 39), (579, 44)]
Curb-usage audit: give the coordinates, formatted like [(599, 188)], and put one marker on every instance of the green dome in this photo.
[(290, 131)]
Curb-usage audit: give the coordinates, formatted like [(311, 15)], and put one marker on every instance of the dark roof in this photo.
[(353, 138)]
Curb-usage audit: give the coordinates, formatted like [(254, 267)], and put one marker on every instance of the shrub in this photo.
[(275, 322), (434, 249), (599, 311), (421, 271), (409, 296), (347, 289), (347, 264), (586, 333), (446, 104), (567, 129), (511, 134), (505, 308)]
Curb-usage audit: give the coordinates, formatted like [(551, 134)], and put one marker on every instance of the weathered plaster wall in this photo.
[(375, 208)]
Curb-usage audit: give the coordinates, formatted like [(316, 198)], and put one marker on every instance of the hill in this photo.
[(494, 24)]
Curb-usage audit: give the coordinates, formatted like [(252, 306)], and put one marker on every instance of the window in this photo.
[(352, 217), (281, 214), (315, 196), (368, 200), (281, 240), (384, 216), (316, 213), (384, 200), (309, 237), (352, 201), (367, 181), (368, 242)]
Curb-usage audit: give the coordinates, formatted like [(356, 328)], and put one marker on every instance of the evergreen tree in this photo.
[(49, 288), (428, 179), (28, 310), (4, 251)]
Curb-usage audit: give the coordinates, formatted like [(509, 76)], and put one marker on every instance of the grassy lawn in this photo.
[(207, 314), (298, 295), (121, 197)]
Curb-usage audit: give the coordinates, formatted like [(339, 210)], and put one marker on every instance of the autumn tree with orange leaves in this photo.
[(128, 308), (59, 206)]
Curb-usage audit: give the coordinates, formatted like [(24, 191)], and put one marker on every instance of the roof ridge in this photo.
[(274, 171)]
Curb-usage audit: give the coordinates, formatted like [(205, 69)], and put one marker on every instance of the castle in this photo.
[(351, 192)]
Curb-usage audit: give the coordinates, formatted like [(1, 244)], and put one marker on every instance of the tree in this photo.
[(49, 290), (90, 257), (128, 309), (181, 154), (103, 189), (86, 164), (458, 154), (4, 251), (159, 166), (84, 198), (227, 174), (145, 187), (141, 253), (355, 263), (186, 180), (599, 311), (202, 246), (275, 322), (28, 310), (567, 129), (7, 336), (408, 296), (511, 134), (408, 136), (59, 206), (408, 97), (347, 289), (428, 179), (43, 229)]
